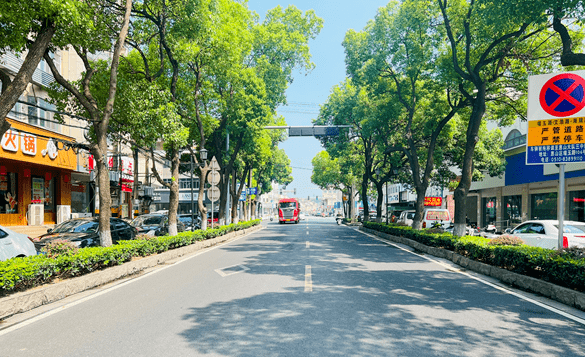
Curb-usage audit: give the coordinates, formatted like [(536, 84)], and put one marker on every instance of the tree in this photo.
[(396, 55), (488, 42), (335, 173), (36, 27), (79, 95), (250, 92)]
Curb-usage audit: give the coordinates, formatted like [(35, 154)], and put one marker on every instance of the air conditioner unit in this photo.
[(36, 214), (63, 213)]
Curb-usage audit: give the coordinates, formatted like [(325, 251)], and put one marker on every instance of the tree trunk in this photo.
[(235, 198), (419, 206), (467, 170), (18, 85), (174, 192), (379, 201), (202, 207), (99, 153), (365, 198), (135, 207)]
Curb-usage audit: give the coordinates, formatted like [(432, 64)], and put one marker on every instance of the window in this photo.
[(44, 191), (39, 113), (186, 183), (523, 228), (80, 198), (514, 139), (577, 206), (536, 229), (544, 205), (489, 210), (9, 193), (512, 210)]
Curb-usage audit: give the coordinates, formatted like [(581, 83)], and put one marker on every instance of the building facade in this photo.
[(525, 192)]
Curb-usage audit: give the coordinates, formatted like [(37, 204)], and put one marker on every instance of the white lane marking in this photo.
[(308, 279), (66, 306), (513, 293), (307, 232), (308, 245), (231, 270)]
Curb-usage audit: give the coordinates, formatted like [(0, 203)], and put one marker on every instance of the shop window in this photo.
[(80, 198), (544, 205), (512, 210), (43, 191), (577, 206), (9, 192), (489, 210)]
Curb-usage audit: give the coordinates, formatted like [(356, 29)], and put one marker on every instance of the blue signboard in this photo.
[(253, 190), (243, 196)]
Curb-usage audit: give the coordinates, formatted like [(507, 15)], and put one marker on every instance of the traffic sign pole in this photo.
[(561, 211)]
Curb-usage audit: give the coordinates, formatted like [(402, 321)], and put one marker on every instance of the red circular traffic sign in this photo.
[(563, 95)]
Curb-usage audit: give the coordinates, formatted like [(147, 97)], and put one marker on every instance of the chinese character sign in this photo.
[(28, 142), (10, 141), (433, 201), (556, 118)]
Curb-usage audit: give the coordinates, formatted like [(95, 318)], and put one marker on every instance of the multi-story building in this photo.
[(37, 162)]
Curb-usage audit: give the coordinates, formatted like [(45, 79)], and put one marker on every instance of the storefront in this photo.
[(35, 176), (121, 172)]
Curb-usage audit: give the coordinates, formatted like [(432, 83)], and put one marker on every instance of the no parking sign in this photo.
[(556, 118)]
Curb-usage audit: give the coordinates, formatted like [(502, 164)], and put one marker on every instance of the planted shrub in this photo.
[(59, 247), (64, 260), (506, 240), (565, 267), (572, 253)]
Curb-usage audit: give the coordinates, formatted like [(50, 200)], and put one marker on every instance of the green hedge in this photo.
[(18, 274), (559, 267)]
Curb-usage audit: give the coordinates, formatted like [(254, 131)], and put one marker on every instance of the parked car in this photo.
[(84, 232), (545, 233), (432, 216), (215, 218), (155, 224), (14, 244), (191, 223), (406, 217)]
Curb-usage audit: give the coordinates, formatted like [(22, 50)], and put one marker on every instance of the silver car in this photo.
[(545, 233), (14, 244)]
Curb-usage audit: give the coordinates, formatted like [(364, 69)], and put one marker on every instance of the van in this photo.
[(406, 217), (436, 215)]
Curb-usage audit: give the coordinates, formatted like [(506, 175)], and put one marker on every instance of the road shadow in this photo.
[(369, 299)]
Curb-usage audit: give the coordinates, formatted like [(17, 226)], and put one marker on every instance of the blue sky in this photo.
[(306, 93)]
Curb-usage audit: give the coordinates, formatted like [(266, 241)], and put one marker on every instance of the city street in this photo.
[(308, 289)]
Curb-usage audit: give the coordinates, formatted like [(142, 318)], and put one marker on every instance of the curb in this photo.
[(28, 300), (552, 291)]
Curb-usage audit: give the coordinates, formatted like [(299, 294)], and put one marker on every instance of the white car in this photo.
[(14, 244), (406, 217), (545, 233)]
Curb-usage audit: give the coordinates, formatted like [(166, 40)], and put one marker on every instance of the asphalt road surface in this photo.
[(308, 289)]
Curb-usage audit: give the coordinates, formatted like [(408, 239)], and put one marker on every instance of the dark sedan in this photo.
[(155, 224), (83, 232)]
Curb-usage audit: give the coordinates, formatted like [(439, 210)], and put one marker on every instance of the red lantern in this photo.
[(48, 176), (66, 178), (26, 172), (3, 170)]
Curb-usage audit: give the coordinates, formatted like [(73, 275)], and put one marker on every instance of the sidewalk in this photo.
[(31, 231)]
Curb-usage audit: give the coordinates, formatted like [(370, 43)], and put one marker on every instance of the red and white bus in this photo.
[(289, 210)]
